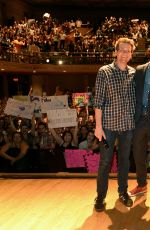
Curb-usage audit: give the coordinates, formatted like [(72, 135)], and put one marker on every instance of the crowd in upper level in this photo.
[(49, 35)]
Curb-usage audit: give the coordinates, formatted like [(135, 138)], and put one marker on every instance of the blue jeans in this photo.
[(124, 146)]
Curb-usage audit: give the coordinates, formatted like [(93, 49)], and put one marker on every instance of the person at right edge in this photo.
[(114, 113), (142, 127)]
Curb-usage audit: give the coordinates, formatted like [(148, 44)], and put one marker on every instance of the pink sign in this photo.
[(74, 158), (82, 158), (92, 162)]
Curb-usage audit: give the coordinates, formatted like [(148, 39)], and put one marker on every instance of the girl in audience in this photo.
[(66, 141), (82, 135), (15, 154), (91, 142), (3, 134)]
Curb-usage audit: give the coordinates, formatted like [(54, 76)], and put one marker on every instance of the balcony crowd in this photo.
[(32, 37)]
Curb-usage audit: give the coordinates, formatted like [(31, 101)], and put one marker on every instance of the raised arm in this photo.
[(33, 125), (57, 137), (75, 135)]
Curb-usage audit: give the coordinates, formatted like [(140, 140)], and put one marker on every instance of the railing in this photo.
[(68, 58)]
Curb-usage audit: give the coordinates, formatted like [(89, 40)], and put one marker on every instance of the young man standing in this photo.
[(142, 127), (114, 113)]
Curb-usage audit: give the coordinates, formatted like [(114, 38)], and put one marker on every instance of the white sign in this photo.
[(54, 102), (36, 103), (62, 118), (19, 108), (21, 98)]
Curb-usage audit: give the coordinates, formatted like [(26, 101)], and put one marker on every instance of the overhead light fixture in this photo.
[(60, 62)]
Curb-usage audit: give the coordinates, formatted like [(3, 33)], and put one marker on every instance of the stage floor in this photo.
[(67, 204)]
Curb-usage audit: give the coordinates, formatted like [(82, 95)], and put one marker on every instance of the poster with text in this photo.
[(36, 103), (19, 108), (54, 102), (82, 99), (21, 97), (62, 118)]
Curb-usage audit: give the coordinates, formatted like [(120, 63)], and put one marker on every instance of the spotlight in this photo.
[(60, 62), (47, 60)]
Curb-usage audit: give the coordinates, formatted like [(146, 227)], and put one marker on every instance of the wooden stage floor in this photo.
[(67, 204)]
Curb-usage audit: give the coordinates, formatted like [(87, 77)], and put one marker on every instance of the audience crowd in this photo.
[(29, 145), (33, 37)]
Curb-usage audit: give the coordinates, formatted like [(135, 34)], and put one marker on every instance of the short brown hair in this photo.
[(125, 40)]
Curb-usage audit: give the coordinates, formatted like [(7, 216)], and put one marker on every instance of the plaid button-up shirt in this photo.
[(115, 96)]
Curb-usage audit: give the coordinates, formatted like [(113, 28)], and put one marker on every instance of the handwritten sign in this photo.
[(62, 118), (21, 98), (74, 158), (45, 103), (82, 99), (19, 108), (36, 99), (83, 158), (36, 102), (92, 161), (54, 102)]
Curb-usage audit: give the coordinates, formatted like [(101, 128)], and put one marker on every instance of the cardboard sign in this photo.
[(74, 158), (19, 108), (36, 103), (21, 98), (82, 158), (92, 161), (82, 99), (54, 102), (62, 118)]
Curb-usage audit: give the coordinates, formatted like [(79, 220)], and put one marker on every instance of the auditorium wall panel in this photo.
[(75, 82)]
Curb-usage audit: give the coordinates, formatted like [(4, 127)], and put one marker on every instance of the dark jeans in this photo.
[(140, 139), (125, 139)]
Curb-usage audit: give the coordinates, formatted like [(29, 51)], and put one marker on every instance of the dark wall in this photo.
[(18, 9), (92, 14), (46, 83), (73, 82)]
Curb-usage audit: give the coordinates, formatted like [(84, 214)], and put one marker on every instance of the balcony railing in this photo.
[(68, 58)]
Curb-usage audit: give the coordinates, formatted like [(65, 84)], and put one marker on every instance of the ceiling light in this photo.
[(60, 62)]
